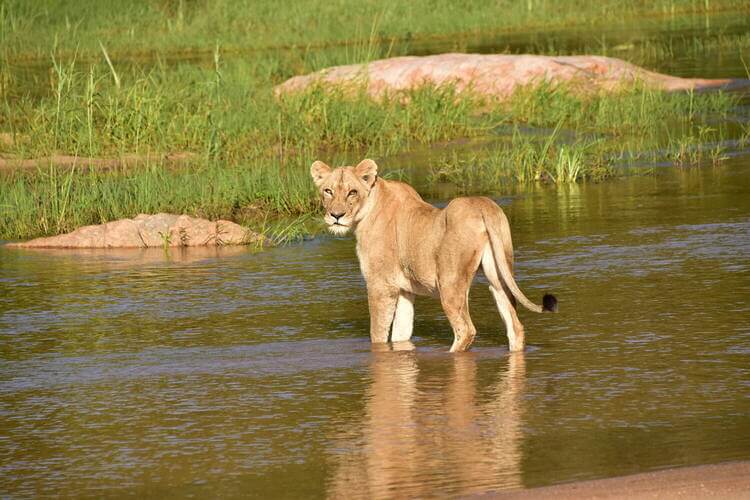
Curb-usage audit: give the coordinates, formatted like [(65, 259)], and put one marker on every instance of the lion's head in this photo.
[(344, 191)]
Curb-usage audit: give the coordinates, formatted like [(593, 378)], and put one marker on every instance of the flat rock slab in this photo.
[(494, 75), (145, 231)]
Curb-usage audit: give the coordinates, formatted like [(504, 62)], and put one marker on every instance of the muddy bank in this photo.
[(729, 480), (495, 75)]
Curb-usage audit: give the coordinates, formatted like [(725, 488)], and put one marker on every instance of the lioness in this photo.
[(407, 247)]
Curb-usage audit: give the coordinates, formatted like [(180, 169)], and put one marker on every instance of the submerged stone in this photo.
[(495, 75), (146, 231)]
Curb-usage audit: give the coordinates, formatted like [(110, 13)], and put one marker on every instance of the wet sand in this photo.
[(728, 480)]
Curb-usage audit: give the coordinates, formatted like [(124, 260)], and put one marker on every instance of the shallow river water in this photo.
[(240, 372), (236, 372)]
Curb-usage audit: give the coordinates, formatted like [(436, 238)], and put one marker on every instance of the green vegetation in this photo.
[(635, 126), (147, 26), (97, 80), (213, 113)]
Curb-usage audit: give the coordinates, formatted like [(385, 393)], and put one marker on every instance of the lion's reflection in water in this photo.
[(421, 434)]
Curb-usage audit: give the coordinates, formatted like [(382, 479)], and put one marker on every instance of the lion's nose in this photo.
[(337, 216)]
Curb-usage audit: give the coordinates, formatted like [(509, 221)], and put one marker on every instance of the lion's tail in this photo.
[(498, 228)]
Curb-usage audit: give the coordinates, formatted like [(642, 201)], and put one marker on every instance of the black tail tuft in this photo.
[(549, 303)]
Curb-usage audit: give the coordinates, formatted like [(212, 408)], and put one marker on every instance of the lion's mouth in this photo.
[(338, 228)]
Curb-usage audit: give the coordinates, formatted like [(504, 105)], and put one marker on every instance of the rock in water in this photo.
[(494, 75), (145, 231)]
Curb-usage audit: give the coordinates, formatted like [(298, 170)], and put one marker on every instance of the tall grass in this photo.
[(212, 112), (636, 110), (53, 200), (522, 159), (335, 119)]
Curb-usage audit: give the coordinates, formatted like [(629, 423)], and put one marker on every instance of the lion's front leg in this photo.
[(403, 322), (382, 301)]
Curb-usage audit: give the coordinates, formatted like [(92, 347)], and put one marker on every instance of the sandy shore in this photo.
[(728, 480)]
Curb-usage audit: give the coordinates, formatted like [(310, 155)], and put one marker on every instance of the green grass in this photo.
[(217, 114), (53, 200), (635, 111), (255, 169), (72, 82), (520, 160), (145, 26)]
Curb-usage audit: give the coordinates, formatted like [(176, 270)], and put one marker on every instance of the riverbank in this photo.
[(728, 480), (245, 154)]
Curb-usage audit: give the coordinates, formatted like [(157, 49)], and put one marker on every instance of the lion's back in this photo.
[(469, 210)]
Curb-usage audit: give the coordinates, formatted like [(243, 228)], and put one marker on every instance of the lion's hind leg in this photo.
[(504, 301), (456, 271), (454, 297), (513, 326)]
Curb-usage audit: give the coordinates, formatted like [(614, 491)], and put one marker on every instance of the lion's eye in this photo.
[(353, 192), (328, 192)]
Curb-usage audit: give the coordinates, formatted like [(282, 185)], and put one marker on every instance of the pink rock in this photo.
[(150, 231), (494, 75)]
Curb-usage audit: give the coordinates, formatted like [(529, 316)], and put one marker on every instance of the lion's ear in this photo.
[(367, 170), (319, 172)]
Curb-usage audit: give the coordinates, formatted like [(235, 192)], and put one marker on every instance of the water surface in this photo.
[(216, 372)]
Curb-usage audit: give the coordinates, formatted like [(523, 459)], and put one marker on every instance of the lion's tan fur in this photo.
[(407, 247)]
